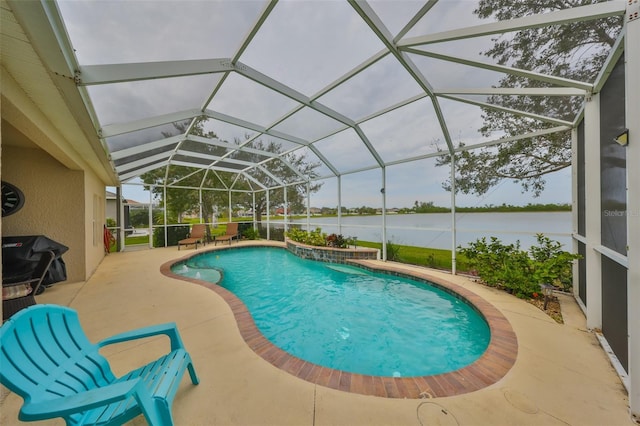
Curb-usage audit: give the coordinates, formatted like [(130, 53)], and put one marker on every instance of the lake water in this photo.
[(434, 229)]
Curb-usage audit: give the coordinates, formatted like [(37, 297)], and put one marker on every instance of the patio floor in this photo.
[(561, 375)]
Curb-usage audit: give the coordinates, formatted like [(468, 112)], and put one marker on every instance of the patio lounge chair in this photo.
[(198, 235), (232, 232), (47, 359), (20, 294)]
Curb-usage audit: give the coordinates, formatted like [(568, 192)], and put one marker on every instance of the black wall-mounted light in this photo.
[(623, 138)]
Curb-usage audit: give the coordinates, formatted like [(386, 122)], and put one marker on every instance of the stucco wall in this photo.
[(54, 203)]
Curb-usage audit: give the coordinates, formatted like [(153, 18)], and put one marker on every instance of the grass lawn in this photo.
[(138, 239), (421, 256)]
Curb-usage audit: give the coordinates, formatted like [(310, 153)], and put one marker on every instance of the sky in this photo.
[(305, 45)]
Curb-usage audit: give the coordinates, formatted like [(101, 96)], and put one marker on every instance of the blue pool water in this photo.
[(344, 317)]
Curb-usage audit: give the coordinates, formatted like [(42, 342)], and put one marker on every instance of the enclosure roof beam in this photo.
[(377, 26), (484, 144), (559, 81), (173, 186), (215, 173), (255, 127), (268, 173), (127, 152), (290, 93), (367, 118), (514, 91), (91, 75), (416, 18), (146, 123), (392, 108), (215, 158), (269, 131), (254, 180), (266, 11), (614, 54), (284, 90), (135, 173), (143, 161), (324, 159), (351, 73), (230, 146), (259, 166), (201, 167), (196, 171), (243, 46), (508, 139), (296, 171), (509, 110), (571, 15)]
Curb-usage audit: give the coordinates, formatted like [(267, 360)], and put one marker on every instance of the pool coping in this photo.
[(492, 366)]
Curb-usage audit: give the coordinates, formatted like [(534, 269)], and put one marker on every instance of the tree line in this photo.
[(430, 207)]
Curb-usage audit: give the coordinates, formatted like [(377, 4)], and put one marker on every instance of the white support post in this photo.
[(151, 216), (166, 225), (253, 203), (268, 216), (593, 207), (632, 115), (574, 209), (384, 214), (120, 205), (453, 214), (340, 204), (286, 211), (308, 205), (200, 204), (230, 211)]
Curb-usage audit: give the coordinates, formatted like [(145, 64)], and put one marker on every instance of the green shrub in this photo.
[(311, 238), (319, 239), (251, 234), (552, 264), (393, 252), (337, 240), (515, 270)]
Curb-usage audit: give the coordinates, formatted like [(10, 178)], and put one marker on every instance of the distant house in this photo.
[(111, 208)]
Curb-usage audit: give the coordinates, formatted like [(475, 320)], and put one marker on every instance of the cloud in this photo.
[(308, 44), (119, 31)]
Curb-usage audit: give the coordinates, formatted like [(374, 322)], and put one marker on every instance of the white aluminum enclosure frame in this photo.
[(48, 34)]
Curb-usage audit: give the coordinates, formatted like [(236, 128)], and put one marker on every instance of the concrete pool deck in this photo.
[(561, 375)]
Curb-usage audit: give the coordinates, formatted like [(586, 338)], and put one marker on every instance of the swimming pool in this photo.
[(344, 317)]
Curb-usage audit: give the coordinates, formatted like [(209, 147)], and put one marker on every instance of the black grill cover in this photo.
[(20, 255)]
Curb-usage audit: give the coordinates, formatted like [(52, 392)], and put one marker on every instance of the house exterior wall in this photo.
[(47, 155), (53, 203)]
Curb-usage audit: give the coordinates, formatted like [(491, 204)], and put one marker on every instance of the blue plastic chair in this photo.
[(46, 358)]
